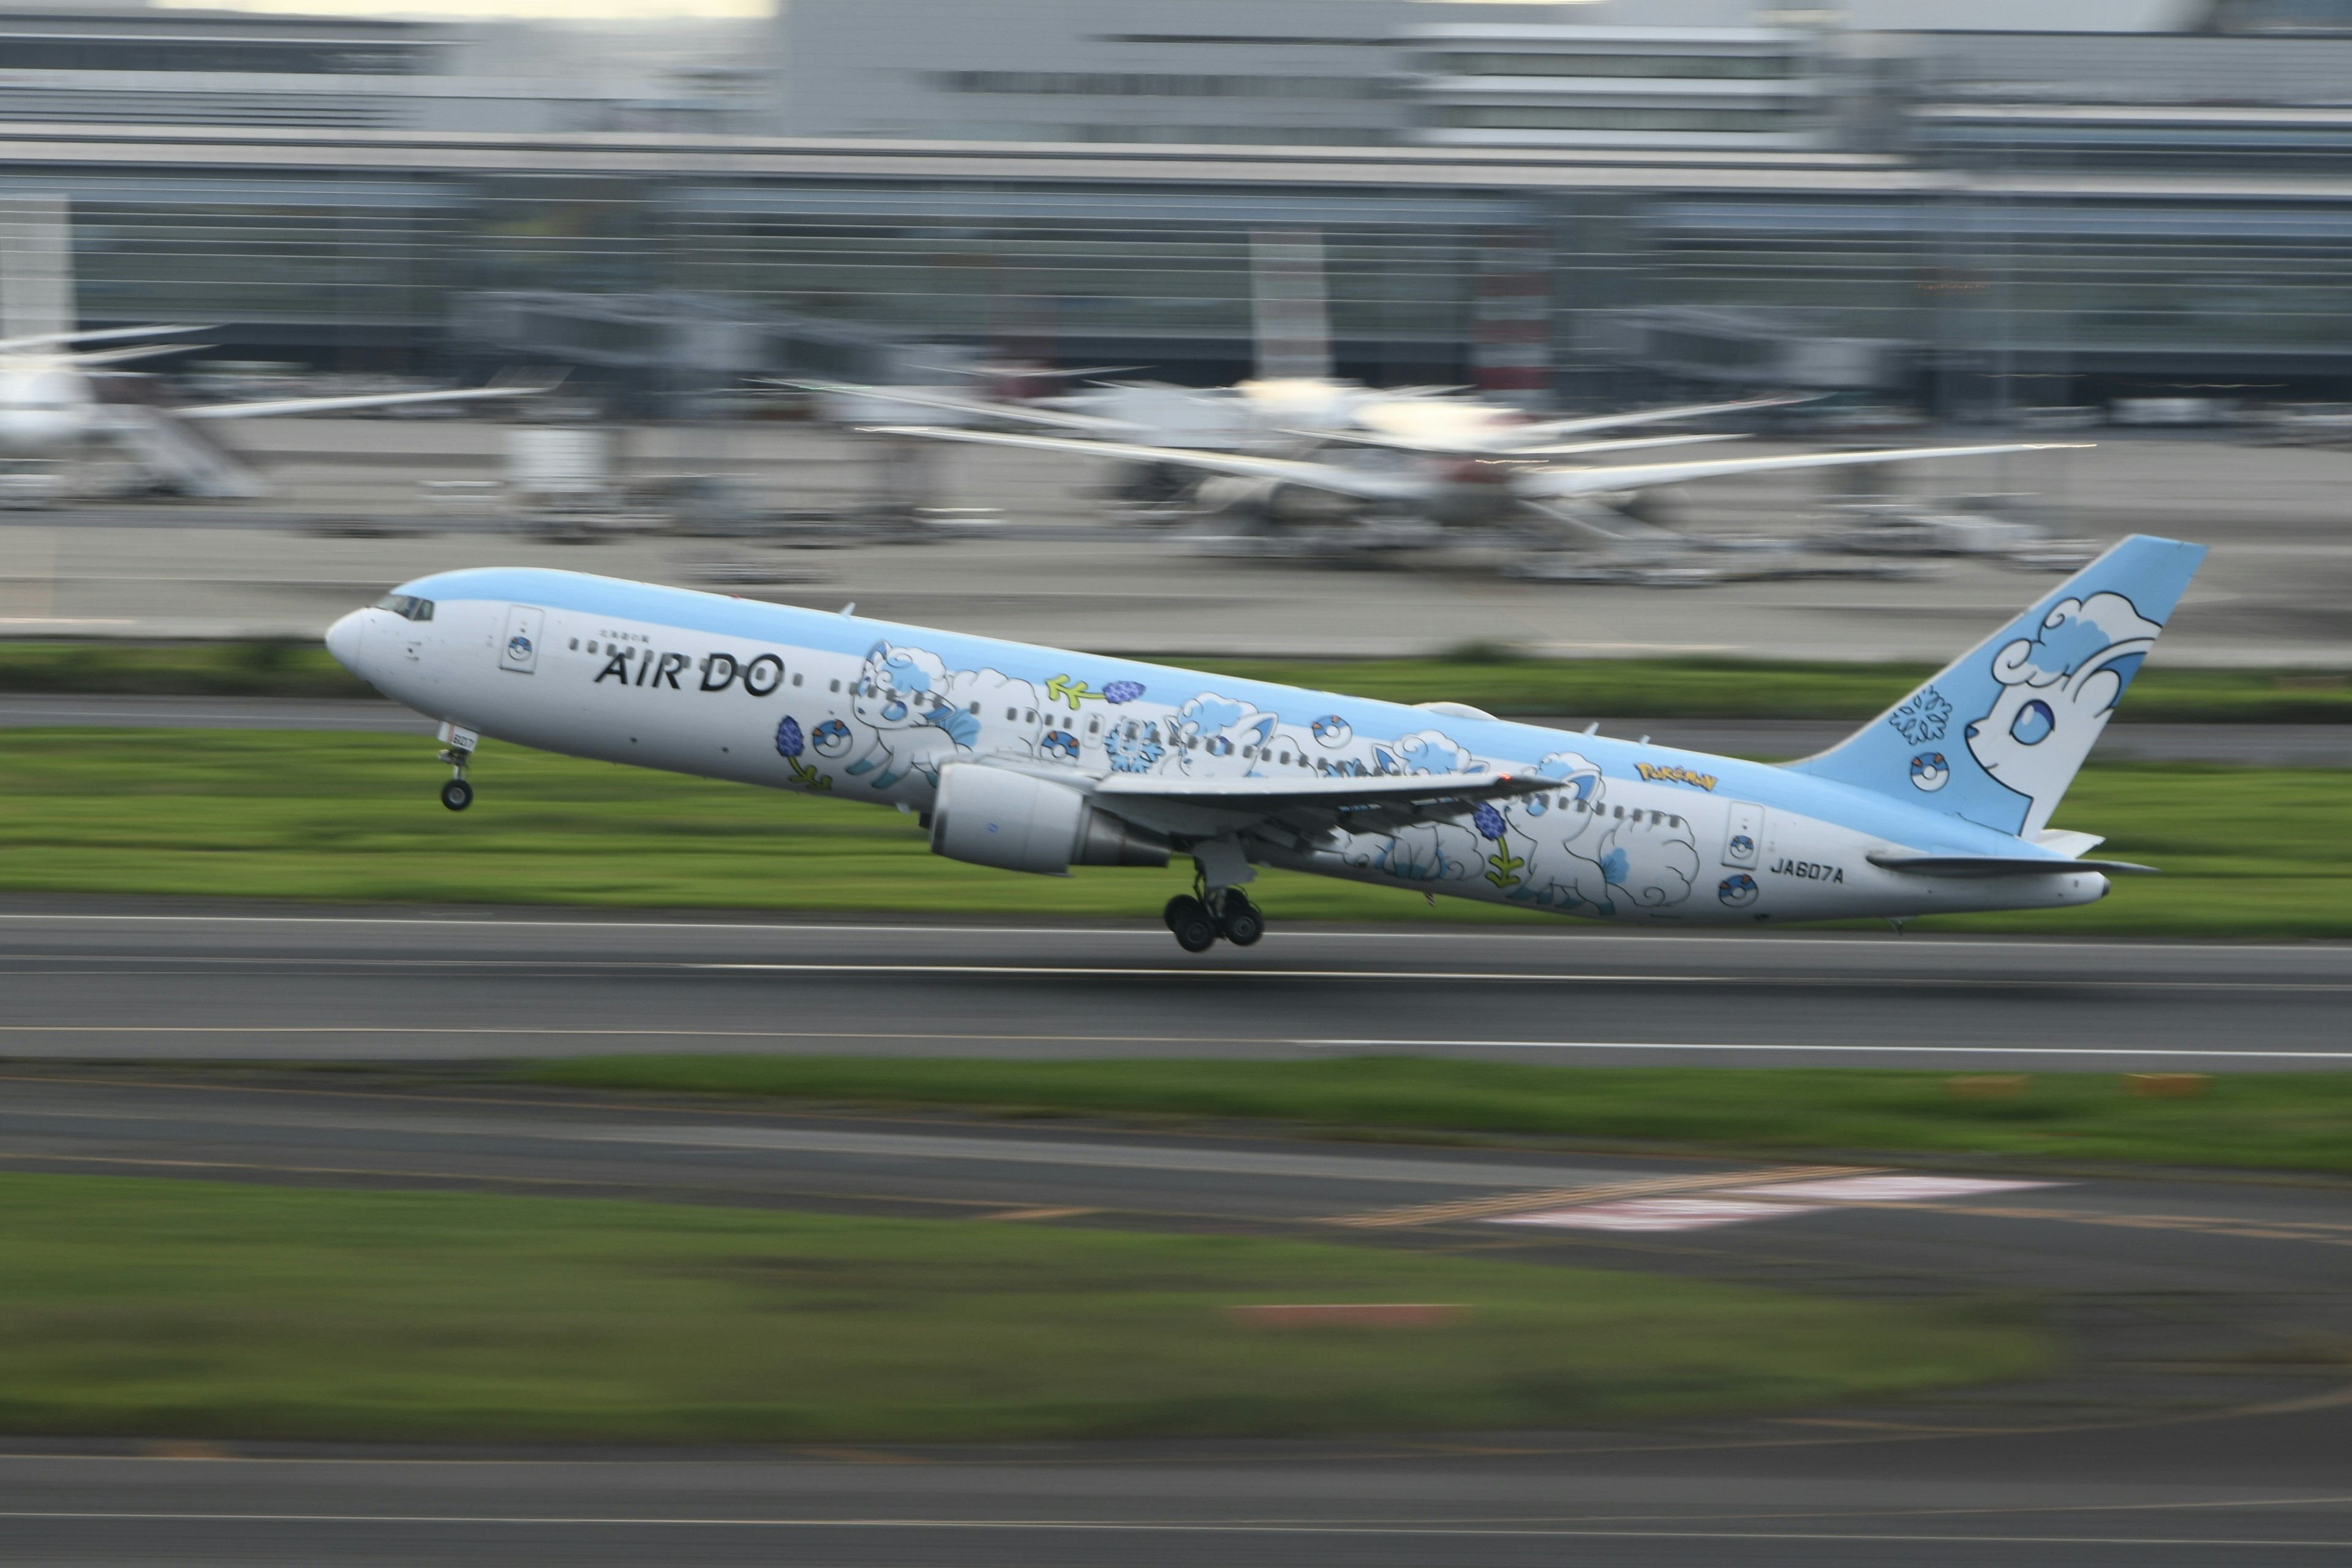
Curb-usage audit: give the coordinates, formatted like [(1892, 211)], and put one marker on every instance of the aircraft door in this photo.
[(520, 652), (1743, 839)]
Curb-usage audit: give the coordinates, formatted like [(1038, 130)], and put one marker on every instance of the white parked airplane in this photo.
[(1527, 485), (1032, 759), (52, 407)]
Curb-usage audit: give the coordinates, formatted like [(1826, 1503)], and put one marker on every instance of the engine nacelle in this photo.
[(994, 816)]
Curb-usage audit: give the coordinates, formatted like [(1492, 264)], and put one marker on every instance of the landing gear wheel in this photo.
[(1188, 918), (1240, 922), (456, 795)]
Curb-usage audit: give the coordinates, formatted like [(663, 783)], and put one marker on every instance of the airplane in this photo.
[(1035, 760), (1524, 489), (53, 404)]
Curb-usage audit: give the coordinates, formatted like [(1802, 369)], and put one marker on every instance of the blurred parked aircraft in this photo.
[(59, 401), (1435, 483)]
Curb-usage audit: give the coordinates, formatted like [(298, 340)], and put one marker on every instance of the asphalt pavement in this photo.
[(2200, 1417), (152, 979)]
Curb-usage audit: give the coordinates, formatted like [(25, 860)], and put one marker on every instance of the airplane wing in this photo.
[(1051, 418), (46, 340), (1447, 426), (1454, 450), (1369, 484), (1552, 429), (1306, 806), (135, 350), (286, 405), (1642, 476)]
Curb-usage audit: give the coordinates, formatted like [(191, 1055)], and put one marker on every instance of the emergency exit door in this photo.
[(1743, 838), (520, 652)]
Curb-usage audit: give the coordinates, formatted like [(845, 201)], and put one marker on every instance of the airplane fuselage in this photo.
[(868, 710)]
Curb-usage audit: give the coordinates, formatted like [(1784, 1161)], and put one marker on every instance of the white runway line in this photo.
[(1872, 940)]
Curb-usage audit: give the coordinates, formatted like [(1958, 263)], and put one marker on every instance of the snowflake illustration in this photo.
[(1924, 718)]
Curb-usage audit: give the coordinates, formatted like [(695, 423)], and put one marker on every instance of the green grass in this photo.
[(194, 1309), (2300, 1122), (1495, 679), (185, 669), (2247, 852)]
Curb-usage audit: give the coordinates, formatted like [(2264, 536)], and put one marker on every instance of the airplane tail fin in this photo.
[(1998, 735)]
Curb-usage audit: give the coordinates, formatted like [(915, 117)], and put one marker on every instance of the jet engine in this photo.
[(994, 816)]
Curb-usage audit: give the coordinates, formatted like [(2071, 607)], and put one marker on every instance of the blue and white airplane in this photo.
[(1030, 759)]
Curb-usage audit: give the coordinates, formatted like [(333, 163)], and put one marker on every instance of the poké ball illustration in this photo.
[(519, 646), (1737, 891), (1742, 847), (1061, 744), (1331, 731), (832, 738), (1930, 771)]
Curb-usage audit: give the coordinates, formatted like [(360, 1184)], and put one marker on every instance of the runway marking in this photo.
[(1561, 1197), (1660, 1215), (1740, 1205), (523, 1031), (1154, 1527)]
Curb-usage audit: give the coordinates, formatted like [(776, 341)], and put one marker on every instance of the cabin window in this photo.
[(1011, 714), (575, 645), (836, 686), (796, 677)]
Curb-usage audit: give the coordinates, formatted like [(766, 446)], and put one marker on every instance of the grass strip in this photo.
[(2286, 1121), (192, 1309), (2247, 852), (1495, 679)]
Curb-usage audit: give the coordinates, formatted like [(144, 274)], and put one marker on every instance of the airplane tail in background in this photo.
[(1998, 735)]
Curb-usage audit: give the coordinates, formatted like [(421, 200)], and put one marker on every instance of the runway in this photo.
[(124, 979), (2187, 1427)]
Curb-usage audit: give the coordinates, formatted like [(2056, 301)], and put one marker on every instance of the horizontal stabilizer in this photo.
[(1998, 865)]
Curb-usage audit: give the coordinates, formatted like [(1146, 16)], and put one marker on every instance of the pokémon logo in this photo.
[(1657, 773)]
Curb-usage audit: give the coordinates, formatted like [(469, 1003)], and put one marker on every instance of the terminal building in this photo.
[(1968, 222)]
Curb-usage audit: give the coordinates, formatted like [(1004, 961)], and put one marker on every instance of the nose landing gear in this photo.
[(457, 750)]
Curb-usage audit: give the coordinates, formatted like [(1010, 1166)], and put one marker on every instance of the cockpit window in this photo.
[(407, 606)]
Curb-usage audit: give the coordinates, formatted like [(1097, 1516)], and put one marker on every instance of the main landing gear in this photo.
[(1196, 928)]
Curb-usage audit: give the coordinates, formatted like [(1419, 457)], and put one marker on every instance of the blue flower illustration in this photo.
[(1119, 691), (1488, 821), (788, 737)]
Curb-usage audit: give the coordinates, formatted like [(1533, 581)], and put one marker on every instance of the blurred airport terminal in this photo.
[(700, 245)]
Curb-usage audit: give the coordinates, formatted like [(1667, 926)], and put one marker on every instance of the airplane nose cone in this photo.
[(344, 640)]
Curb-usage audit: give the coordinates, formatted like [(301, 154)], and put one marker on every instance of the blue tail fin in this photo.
[(1997, 736)]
